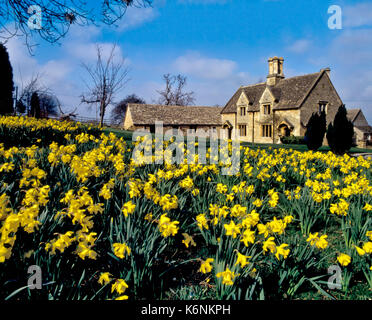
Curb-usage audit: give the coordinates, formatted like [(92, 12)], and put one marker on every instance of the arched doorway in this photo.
[(284, 130), (228, 129)]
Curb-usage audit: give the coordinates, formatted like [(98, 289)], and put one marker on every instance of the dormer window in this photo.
[(242, 111), (267, 109), (323, 106)]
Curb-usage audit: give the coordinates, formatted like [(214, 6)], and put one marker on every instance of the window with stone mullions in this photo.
[(267, 109), (266, 131), (242, 111), (243, 130)]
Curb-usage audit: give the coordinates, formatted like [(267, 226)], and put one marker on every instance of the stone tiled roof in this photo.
[(352, 114), (147, 114), (253, 93), (290, 93)]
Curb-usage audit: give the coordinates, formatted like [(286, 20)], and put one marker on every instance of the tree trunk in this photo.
[(101, 114)]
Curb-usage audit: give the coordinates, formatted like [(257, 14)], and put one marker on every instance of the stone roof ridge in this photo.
[(252, 85), (301, 76), (176, 106)]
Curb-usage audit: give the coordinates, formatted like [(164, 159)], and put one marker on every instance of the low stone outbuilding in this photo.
[(179, 119), (362, 130)]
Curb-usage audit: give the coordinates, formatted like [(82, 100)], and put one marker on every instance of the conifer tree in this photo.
[(315, 131), (35, 105), (6, 82), (340, 133)]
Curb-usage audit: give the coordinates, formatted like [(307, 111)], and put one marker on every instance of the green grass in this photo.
[(127, 135)]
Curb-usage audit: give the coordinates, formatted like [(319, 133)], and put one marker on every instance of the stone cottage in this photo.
[(179, 119), (280, 106)]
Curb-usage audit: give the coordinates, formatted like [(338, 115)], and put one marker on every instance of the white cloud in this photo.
[(349, 56), (213, 80), (87, 52), (55, 71), (135, 17), (358, 15), (208, 68), (300, 46)]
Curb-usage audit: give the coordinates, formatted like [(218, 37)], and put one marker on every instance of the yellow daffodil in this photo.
[(121, 250), (242, 259), (119, 286), (227, 277), (105, 278), (128, 208), (344, 259), (232, 229), (206, 266)]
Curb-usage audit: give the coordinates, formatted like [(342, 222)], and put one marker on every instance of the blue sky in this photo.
[(218, 44)]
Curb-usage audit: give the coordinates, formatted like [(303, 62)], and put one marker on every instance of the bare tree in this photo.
[(53, 18), (107, 76), (173, 93), (34, 85), (65, 115)]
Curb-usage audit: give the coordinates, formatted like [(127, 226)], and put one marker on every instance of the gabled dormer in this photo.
[(267, 101), (242, 105)]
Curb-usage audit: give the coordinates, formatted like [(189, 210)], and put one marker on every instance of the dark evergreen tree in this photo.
[(20, 106), (118, 113), (48, 105), (315, 131), (340, 133), (35, 105), (6, 82)]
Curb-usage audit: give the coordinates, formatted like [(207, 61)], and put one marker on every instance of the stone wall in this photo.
[(360, 138), (360, 120), (128, 122), (323, 91), (202, 131)]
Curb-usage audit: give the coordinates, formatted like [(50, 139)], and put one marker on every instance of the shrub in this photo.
[(292, 140)]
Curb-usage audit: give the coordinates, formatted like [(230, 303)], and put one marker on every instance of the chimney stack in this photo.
[(328, 71), (275, 71)]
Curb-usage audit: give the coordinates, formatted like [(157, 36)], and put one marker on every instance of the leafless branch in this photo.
[(175, 96), (107, 77), (59, 15)]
